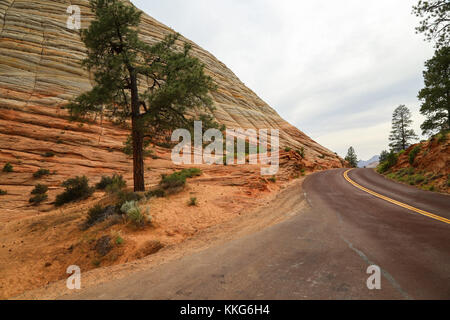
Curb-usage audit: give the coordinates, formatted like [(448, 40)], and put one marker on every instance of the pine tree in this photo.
[(435, 24), (351, 158), (435, 96), (401, 134), (153, 86)]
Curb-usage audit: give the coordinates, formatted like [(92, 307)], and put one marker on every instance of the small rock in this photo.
[(48, 264)]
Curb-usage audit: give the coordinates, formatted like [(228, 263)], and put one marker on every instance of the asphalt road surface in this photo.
[(320, 253)]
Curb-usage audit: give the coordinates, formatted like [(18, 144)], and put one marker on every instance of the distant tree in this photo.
[(435, 96), (153, 86), (351, 158), (436, 21), (401, 134), (384, 155)]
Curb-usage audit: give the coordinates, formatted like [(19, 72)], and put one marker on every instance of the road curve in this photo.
[(320, 253)]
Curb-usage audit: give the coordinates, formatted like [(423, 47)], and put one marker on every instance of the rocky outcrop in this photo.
[(40, 72)]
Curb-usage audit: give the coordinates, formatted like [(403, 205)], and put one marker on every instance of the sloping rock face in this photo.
[(40, 72), (40, 69)]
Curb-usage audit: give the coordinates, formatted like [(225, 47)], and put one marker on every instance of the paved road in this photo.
[(320, 253)]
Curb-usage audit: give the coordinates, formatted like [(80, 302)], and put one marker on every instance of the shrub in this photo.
[(134, 214), (303, 171), (193, 202), (3, 192), (301, 152), (39, 189), (48, 154), (273, 179), (124, 197), (391, 161), (119, 240), (191, 173), (174, 181), (157, 193), (112, 184), (76, 189), (177, 180), (442, 137), (37, 199), (419, 179), (287, 149), (95, 214), (40, 173), (8, 167), (413, 154)]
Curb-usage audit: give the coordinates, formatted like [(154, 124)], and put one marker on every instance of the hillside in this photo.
[(39, 73), (425, 165)]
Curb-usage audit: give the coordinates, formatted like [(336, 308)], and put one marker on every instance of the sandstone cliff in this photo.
[(40, 72)]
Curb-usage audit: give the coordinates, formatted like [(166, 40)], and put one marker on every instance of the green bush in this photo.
[(157, 193), (76, 189), (177, 180), (48, 154), (287, 149), (3, 192), (8, 168), (124, 196), (193, 202), (95, 214), (391, 161), (413, 154), (134, 214), (301, 152), (442, 136), (40, 173), (38, 198), (419, 179), (112, 184), (39, 189), (119, 240), (273, 179)]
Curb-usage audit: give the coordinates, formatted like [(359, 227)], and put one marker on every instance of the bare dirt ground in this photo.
[(36, 247), (262, 213)]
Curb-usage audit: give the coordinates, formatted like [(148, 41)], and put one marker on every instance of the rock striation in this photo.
[(40, 73)]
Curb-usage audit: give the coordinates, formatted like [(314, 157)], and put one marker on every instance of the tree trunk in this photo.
[(137, 136)]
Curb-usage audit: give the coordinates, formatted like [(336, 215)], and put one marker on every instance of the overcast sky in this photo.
[(334, 69)]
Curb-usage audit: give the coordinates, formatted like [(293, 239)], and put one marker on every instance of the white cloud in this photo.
[(335, 69)]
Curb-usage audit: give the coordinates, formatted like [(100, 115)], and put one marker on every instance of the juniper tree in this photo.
[(436, 21), (435, 96), (152, 86), (401, 134), (351, 158)]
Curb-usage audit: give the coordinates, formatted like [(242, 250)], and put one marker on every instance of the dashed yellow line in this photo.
[(398, 203)]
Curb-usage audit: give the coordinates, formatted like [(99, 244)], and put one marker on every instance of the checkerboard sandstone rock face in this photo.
[(40, 72)]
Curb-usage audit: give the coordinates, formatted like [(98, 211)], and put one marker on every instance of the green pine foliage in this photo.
[(401, 135), (435, 96), (352, 158), (153, 85)]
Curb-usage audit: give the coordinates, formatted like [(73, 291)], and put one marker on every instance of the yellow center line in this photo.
[(398, 203)]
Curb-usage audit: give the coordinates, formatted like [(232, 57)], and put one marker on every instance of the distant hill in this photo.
[(372, 163)]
